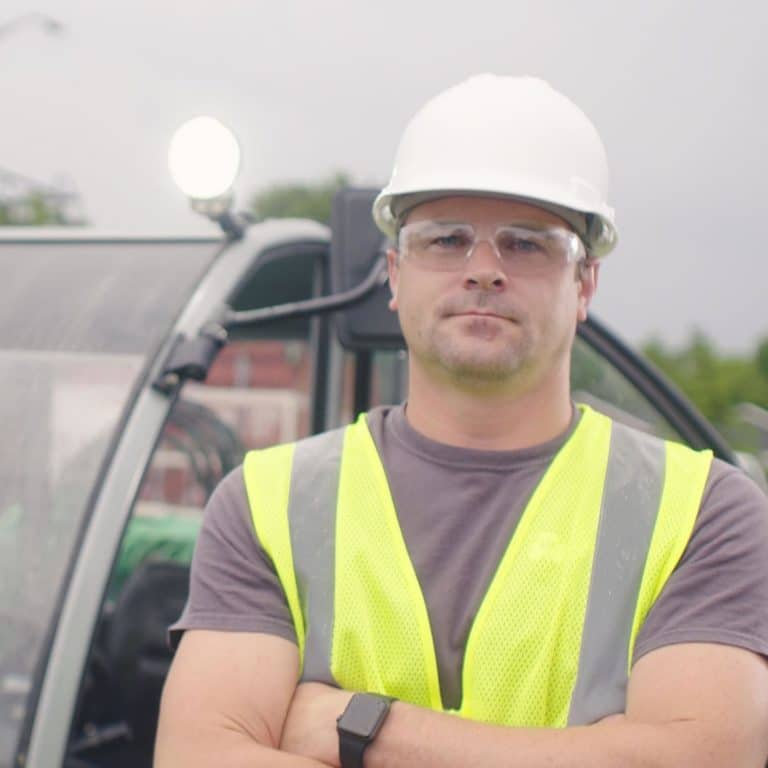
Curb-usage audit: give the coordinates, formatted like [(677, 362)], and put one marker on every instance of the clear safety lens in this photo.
[(521, 249)]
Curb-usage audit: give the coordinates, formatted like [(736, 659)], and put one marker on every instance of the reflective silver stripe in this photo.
[(630, 505), (312, 521)]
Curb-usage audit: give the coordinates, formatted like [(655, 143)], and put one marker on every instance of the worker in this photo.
[(487, 574)]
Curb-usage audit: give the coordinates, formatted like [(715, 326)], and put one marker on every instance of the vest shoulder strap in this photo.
[(651, 497), (291, 491)]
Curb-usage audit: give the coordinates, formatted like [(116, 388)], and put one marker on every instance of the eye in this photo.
[(451, 241), (448, 239), (512, 242)]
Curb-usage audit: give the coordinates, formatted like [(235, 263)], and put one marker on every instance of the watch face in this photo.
[(363, 715)]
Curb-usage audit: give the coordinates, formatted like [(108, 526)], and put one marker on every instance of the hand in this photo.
[(310, 727)]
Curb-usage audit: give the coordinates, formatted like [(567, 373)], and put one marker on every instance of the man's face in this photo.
[(483, 323)]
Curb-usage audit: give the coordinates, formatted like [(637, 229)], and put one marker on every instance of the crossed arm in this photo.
[(231, 699)]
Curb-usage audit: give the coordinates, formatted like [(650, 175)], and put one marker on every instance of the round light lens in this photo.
[(204, 158)]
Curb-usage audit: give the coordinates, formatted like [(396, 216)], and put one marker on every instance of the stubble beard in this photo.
[(469, 361)]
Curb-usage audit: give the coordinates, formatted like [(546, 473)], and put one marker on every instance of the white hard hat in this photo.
[(515, 136)]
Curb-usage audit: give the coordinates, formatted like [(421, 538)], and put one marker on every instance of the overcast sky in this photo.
[(676, 89)]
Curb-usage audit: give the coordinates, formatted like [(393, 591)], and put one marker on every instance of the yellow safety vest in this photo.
[(551, 643)]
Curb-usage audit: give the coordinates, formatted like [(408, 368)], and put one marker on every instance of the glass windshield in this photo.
[(77, 322), (597, 382)]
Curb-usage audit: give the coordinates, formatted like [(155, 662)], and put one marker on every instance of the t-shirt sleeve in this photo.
[(719, 591), (233, 585)]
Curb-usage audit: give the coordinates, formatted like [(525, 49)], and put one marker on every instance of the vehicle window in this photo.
[(256, 395), (596, 382), (386, 382), (77, 324), (389, 377)]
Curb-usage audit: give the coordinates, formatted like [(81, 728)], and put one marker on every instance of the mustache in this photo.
[(481, 302)]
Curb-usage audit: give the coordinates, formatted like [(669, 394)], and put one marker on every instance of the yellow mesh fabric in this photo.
[(685, 477), (523, 650), (267, 482), (382, 640)]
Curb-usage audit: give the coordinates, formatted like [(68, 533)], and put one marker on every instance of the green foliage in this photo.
[(35, 210), (714, 382), (761, 358), (304, 201)]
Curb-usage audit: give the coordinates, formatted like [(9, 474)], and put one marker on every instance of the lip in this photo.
[(476, 313)]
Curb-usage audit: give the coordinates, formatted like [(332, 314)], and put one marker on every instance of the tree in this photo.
[(761, 358), (714, 382), (305, 201), (34, 211), (25, 202)]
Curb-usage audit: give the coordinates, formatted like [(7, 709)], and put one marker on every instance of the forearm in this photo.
[(225, 702), (211, 746), (698, 704), (419, 738)]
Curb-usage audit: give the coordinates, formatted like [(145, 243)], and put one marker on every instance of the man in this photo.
[(533, 584)]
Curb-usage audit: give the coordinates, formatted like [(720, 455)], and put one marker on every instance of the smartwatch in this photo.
[(358, 725)]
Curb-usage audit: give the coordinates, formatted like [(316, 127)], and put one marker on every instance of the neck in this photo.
[(489, 417)]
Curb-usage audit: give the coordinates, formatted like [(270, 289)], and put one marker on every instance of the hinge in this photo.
[(191, 358)]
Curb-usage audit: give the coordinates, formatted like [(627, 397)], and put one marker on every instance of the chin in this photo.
[(489, 368)]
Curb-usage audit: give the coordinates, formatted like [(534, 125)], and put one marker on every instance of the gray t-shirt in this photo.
[(458, 509)]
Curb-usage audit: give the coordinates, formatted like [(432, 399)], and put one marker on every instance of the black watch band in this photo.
[(351, 751), (358, 725)]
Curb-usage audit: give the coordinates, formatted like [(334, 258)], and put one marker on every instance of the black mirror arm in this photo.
[(376, 277), (191, 358)]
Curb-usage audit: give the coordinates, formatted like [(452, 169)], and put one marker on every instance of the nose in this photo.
[(483, 270)]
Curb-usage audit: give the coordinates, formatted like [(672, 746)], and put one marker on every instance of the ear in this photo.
[(393, 268), (587, 281)]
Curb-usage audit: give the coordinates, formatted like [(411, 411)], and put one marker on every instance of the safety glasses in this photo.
[(522, 249)]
